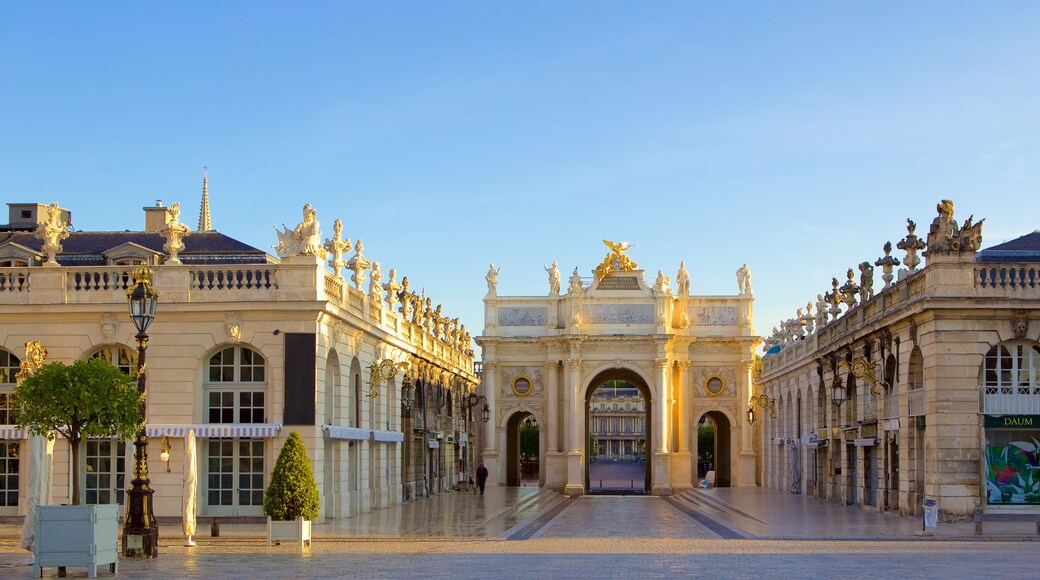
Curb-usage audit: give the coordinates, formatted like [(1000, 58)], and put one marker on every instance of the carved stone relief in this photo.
[(508, 374), (109, 325), (522, 315), (233, 326), (702, 348), (713, 315), (619, 314), (616, 347), (702, 374)]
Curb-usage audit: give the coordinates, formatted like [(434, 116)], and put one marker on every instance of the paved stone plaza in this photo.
[(731, 533)]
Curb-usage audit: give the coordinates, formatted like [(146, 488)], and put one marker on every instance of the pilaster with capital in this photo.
[(490, 389), (682, 389), (664, 403), (573, 387), (552, 396)]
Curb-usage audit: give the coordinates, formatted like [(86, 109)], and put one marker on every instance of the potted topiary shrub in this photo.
[(291, 500), (89, 398)]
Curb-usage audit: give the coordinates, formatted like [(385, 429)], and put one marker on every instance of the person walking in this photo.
[(482, 475)]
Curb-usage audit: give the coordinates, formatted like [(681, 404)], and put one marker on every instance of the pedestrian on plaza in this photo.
[(482, 475)]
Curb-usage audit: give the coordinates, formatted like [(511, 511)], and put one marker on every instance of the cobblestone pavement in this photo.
[(725, 533)]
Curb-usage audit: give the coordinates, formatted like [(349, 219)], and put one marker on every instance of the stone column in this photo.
[(575, 452), (491, 451), (552, 395), (746, 472), (661, 480), (683, 390)]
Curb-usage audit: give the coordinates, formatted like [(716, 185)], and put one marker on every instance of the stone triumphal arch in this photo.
[(689, 357)]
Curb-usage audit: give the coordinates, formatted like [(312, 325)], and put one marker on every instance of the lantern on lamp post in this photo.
[(140, 532)]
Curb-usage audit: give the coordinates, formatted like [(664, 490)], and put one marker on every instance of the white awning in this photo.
[(216, 430), (387, 436), (465, 437), (434, 444), (347, 433), (864, 442), (12, 432)]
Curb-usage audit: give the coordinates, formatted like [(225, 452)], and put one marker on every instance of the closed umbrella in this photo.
[(796, 476), (191, 483), (41, 458)]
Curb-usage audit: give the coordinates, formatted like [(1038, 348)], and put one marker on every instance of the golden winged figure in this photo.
[(616, 260)]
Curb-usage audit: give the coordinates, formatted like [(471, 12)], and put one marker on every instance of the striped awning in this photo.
[(216, 430), (388, 436), (12, 432), (347, 433)]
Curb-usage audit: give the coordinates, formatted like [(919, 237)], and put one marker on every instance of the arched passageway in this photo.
[(618, 427), (715, 427)]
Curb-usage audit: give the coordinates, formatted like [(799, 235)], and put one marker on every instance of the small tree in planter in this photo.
[(292, 495), (89, 398)]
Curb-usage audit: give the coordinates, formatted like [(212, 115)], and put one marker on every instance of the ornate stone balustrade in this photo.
[(238, 278), (1007, 276), (14, 279)]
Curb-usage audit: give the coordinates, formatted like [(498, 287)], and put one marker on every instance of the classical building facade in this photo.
[(244, 348), (928, 388), (616, 421), (687, 357)]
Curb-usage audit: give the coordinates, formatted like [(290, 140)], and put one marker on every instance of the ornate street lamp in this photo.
[(407, 392), (472, 401), (764, 401), (751, 414), (140, 532), (837, 392)]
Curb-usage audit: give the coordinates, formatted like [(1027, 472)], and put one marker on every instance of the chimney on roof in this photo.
[(156, 218)]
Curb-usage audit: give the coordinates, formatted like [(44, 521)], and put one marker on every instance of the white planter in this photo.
[(291, 531), (77, 535)]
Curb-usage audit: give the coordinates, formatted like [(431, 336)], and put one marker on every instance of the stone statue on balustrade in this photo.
[(375, 286), (821, 311), (52, 231), (574, 285), (944, 237), (437, 321), (359, 263), (554, 280), (466, 341), (887, 263), (682, 280), (336, 247), (866, 281), (662, 284), (304, 239), (744, 281), (418, 300), (492, 280), (174, 233), (911, 244), (392, 288)]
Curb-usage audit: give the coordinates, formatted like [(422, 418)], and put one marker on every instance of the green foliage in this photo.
[(706, 443), (293, 493), (529, 439), (90, 398)]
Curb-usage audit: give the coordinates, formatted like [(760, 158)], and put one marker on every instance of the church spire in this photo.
[(204, 223)]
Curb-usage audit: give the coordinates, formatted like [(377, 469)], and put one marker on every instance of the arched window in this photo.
[(916, 370), (235, 391), (1012, 368), (236, 386), (9, 462), (119, 355)]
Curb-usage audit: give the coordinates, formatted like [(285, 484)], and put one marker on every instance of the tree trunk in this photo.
[(76, 451)]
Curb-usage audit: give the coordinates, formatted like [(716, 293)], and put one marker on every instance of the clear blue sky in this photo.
[(796, 137)]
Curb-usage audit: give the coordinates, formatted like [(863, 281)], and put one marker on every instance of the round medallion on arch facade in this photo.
[(714, 386), (522, 386)]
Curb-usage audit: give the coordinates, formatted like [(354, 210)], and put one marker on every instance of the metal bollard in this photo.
[(214, 529)]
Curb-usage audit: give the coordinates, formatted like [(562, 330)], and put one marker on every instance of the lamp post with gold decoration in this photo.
[(140, 532)]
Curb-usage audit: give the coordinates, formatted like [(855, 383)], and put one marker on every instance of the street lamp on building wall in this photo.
[(140, 532), (765, 402), (472, 401), (837, 392), (407, 392)]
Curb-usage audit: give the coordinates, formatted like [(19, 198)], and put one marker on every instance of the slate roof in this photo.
[(1023, 249), (86, 248)]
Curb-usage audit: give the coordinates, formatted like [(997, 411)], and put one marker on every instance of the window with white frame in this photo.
[(1012, 368), (105, 471), (9, 365), (9, 470), (236, 386)]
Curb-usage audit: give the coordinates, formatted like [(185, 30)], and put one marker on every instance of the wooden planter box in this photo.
[(291, 531), (77, 535)]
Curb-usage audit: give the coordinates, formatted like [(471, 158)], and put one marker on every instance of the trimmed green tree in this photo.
[(293, 493), (89, 398)]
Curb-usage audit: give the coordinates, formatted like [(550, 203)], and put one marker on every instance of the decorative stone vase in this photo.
[(77, 535), (290, 531)]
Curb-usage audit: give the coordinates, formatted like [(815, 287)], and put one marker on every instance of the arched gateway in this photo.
[(685, 356)]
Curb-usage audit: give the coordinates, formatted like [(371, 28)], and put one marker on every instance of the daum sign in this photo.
[(1013, 421)]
